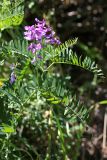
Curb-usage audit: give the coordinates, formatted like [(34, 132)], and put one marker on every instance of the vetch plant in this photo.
[(40, 35), (44, 100)]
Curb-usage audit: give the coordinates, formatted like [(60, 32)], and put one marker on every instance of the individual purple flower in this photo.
[(40, 23), (29, 28), (39, 34), (33, 60), (12, 66), (12, 78), (53, 41), (57, 41), (34, 47), (49, 33), (30, 33), (39, 56), (38, 46)]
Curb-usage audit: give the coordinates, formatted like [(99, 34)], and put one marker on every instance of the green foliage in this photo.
[(11, 13), (68, 57), (19, 47), (61, 54)]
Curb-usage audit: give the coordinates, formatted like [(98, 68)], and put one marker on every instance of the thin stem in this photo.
[(61, 135), (48, 156), (105, 130)]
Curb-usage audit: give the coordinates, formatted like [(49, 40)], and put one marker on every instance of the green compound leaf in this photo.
[(63, 54), (69, 57)]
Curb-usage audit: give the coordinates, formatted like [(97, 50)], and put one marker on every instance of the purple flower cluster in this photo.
[(39, 33)]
